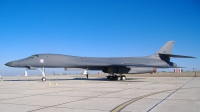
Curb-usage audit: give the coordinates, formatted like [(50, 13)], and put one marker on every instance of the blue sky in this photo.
[(97, 28)]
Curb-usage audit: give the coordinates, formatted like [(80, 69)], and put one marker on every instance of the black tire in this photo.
[(123, 77), (43, 79), (119, 78)]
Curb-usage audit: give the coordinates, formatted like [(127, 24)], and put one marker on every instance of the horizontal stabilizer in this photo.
[(174, 56)]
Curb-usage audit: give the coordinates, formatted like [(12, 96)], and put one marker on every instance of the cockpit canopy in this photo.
[(34, 56)]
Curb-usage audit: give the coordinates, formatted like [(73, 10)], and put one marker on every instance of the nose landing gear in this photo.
[(43, 74), (44, 79)]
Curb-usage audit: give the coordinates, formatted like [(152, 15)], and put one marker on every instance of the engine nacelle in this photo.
[(140, 70), (130, 70)]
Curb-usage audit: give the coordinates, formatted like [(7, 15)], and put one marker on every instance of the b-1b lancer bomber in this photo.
[(115, 67)]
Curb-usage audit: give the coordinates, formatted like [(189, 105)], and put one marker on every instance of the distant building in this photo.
[(177, 70)]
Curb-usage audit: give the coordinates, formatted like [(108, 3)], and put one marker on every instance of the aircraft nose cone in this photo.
[(10, 63)]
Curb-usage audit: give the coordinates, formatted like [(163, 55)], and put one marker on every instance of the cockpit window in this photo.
[(33, 56)]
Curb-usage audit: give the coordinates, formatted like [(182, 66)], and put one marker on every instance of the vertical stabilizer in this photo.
[(165, 53), (167, 48)]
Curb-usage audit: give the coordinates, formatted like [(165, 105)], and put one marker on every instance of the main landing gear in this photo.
[(115, 77), (43, 74), (112, 76)]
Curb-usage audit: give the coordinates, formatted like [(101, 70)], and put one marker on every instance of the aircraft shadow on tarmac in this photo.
[(84, 79), (21, 80), (105, 79)]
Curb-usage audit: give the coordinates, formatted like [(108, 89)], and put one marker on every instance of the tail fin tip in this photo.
[(167, 48)]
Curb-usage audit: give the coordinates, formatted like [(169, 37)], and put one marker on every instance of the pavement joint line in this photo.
[(169, 95), (79, 100), (123, 105), (34, 95), (80, 89), (21, 104), (50, 93), (82, 109)]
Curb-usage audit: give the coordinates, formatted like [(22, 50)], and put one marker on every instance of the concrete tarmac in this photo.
[(97, 94)]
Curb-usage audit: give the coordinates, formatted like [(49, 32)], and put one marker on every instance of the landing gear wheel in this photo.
[(123, 77), (118, 78), (43, 79)]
